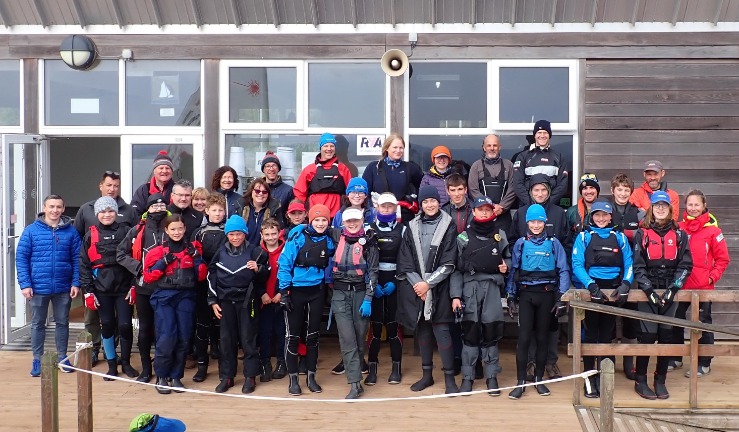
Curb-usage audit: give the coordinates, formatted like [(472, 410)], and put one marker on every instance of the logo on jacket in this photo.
[(497, 238), (669, 242), (495, 251), (357, 250), (362, 241), (544, 160), (323, 254)]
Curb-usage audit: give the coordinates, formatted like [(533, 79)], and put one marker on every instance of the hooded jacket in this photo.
[(461, 216), (151, 236), (707, 248), (555, 226), (208, 239), (330, 200), (228, 277), (193, 219), (641, 197), (110, 278), (86, 217), (546, 161), (437, 180)]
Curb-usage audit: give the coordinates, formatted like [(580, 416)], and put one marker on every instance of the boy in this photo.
[(459, 206), (295, 215), (272, 320)]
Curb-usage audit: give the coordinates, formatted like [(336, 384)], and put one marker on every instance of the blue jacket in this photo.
[(578, 258), (47, 259), (234, 202), (291, 275), (397, 178), (563, 269), (370, 215)]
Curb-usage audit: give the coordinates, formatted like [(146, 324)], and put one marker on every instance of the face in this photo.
[(540, 193), (589, 194), (175, 230), (107, 216), (296, 217), (215, 213), (353, 225), (110, 187), (654, 178), (387, 208), (621, 194), (198, 203), (181, 197), (357, 198), (53, 209), (227, 181), (270, 236), (484, 212), (457, 194), (661, 211), (328, 151), (396, 149), (430, 206), (601, 219), (259, 194), (163, 173), (320, 224), (542, 138), (236, 238), (271, 171), (441, 163), (157, 207), (694, 206), (536, 226), (491, 146)]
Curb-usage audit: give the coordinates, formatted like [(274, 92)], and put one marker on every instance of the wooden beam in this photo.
[(275, 13), (353, 11), (49, 393), (717, 14), (157, 13), (236, 13), (637, 295), (694, 336), (635, 11), (40, 12), (514, 6), (394, 12), (473, 12), (433, 13), (80, 14), (553, 17), (314, 12), (117, 14), (84, 385), (196, 13), (607, 369), (616, 349), (594, 13), (4, 17), (676, 11)]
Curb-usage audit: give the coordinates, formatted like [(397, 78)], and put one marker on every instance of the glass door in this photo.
[(138, 153), (21, 201)]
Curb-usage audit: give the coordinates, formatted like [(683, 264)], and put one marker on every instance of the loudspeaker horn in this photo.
[(394, 62)]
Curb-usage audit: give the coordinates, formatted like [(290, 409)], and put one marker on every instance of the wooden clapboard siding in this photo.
[(684, 113)]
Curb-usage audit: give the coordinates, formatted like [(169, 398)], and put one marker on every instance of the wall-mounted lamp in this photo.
[(78, 52)]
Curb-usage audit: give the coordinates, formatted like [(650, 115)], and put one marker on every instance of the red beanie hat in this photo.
[(319, 210)]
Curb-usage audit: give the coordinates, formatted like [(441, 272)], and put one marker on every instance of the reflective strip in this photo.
[(548, 170), (388, 266)]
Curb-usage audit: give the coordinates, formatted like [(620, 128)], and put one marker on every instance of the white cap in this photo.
[(351, 213), (387, 198)]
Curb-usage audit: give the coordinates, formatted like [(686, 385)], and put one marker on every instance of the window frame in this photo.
[(19, 128)]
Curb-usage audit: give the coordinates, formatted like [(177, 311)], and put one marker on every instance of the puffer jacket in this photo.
[(708, 249), (47, 258), (437, 180)]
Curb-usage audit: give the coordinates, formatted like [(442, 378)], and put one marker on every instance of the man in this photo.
[(325, 181), (47, 263), (459, 206), (110, 185), (654, 172), (492, 176), (578, 215), (540, 159), (280, 191), (182, 204), (161, 182)]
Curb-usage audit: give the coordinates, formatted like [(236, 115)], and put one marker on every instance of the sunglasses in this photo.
[(261, 192), (588, 176), (115, 175)]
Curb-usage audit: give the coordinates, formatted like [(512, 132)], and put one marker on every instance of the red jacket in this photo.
[(153, 273), (709, 251), (330, 200), (271, 287), (640, 198)]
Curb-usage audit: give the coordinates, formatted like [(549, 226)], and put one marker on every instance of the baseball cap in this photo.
[(653, 165), (482, 201)]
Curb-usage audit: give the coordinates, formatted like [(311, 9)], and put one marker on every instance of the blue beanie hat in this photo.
[(427, 192), (235, 223), (536, 212), (326, 138), (659, 196), (357, 184)]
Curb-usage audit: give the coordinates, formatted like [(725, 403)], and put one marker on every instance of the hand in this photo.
[(74, 292), (621, 294), (388, 288), (421, 288), (91, 302), (512, 306), (596, 295), (378, 291), (169, 259), (668, 297), (286, 302), (456, 304), (559, 309), (503, 268), (653, 298), (252, 265), (216, 310), (131, 296), (276, 298), (27, 293), (266, 299), (192, 251), (498, 209), (366, 309)]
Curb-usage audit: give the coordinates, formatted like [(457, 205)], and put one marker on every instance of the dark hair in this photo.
[(649, 219), (115, 175), (270, 223), (250, 189), (455, 180), (54, 197), (215, 183), (698, 193), (622, 179), (215, 198), (174, 217), (345, 203)]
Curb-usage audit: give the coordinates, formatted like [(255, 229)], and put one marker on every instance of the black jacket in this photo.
[(193, 218), (151, 237), (208, 239), (138, 202), (555, 226), (537, 161), (110, 278), (86, 217), (228, 277), (282, 192)]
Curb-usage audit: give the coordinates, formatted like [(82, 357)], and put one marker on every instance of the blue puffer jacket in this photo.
[(47, 259)]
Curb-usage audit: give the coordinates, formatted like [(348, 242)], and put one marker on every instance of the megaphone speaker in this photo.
[(394, 62)]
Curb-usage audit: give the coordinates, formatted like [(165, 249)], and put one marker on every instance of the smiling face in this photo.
[(621, 194), (198, 203), (107, 216), (396, 150), (491, 146), (386, 208), (162, 174), (654, 178), (601, 219), (270, 236), (236, 238), (227, 181), (695, 206), (542, 138), (357, 198), (259, 195), (328, 151), (181, 197), (216, 213), (53, 210), (353, 225), (175, 230), (540, 193), (319, 224), (536, 226), (661, 211), (441, 163), (457, 194), (271, 171), (430, 206), (589, 194)]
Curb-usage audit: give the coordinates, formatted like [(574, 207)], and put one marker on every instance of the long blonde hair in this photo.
[(389, 140)]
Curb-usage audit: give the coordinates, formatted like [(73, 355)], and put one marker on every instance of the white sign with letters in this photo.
[(369, 145)]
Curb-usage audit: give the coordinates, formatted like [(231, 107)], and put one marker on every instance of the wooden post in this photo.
[(577, 316), (49, 393), (694, 336), (84, 385), (607, 369)]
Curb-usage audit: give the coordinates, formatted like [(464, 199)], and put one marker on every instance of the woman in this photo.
[(710, 259), (226, 181), (357, 197), (392, 174), (173, 268), (441, 157), (662, 260), (258, 206), (199, 199)]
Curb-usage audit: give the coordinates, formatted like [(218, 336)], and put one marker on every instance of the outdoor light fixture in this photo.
[(78, 52)]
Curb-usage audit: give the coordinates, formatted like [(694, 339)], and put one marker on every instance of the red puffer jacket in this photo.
[(709, 251)]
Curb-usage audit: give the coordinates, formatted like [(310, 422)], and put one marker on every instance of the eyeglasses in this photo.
[(661, 205), (179, 195), (158, 206), (260, 191), (356, 193)]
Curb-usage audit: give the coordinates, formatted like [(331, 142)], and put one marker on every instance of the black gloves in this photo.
[(512, 305), (596, 296), (653, 298), (285, 301), (621, 294), (559, 309), (192, 251), (169, 258), (668, 297)]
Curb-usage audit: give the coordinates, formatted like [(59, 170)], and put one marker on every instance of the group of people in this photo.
[(438, 255)]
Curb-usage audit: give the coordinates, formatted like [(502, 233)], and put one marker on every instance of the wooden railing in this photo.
[(580, 301)]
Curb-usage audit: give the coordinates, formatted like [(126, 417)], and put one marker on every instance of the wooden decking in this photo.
[(622, 422)]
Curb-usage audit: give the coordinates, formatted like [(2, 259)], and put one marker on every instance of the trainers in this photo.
[(66, 363), (702, 371), (339, 368), (553, 371), (36, 368), (674, 364)]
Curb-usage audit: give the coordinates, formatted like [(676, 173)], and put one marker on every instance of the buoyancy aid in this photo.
[(102, 252), (661, 250), (313, 253), (327, 180), (603, 252), (349, 259), (482, 255), (389, 241), (538, 261), (493, 186)]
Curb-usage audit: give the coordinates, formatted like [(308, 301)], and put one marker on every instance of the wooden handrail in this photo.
[(637, 295)]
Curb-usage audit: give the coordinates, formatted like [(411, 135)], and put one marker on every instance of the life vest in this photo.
[(349, 258), (661, 251), (102, 254), (137, 249), (493, 187), (179, 274), (313, 253), (629, 220), (482, 255), (538, 261), (604, 252), (327, 180), (388, 242)]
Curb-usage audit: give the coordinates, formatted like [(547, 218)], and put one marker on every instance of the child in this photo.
[(233, 296), (272, 320), (357, 197), (439, 171), (207, 240), (107, 284), (296, 215), (173, 269)]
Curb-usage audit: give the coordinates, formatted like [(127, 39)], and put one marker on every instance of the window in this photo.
[(346, 95), (163, 93), (81, 98), (528, 94), (10, 97), (262, 94)]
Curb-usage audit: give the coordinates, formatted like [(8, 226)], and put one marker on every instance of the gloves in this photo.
[(559, 309), (91, 302), (192, 251), (366, 308), (388, 288), (131, 296), (621, 294), (379, 291), (285, 301), (169, 259), (653, 298), (512, 306), (668, 297), (596, 295)]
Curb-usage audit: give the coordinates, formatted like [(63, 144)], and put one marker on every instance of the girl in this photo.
[(710, 259), (258, 206), (226, 181), (107, 284), (662, 260), (439, 171), (173, 269), (357, 197)]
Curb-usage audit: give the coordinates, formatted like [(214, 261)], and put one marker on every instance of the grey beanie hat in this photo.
[(103, 203)]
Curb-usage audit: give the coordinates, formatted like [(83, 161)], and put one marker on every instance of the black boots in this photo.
[(629, 369), (145, 375), (162, 385), (450, 382), (517, 392), (250, 384), (659, 387), (310, 381), (355, 391), (492, 384), (294, 386), (224, 385), (427, 380), (266, 375), (177, 384), (201, 373), (642, 389), (303, 366), (466, 386), (127, 369), (395, 375), (541, 388), (371, 375), (112, 370), (95, 356), (591, 387), (280, 371)]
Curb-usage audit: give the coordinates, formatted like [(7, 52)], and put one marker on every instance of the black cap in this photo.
[(482, 201), (155, 198)]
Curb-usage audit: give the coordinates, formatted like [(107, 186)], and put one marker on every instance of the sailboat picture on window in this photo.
[(165, 89)]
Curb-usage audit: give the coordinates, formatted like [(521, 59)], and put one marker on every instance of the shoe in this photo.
[(303, 367), (466, 386), (249, 385), (191, 362), (372, 375), (517, 392), (479, 374), (112, 370), (450, 383), (266, 375), (426, 381), (127, 369), (541, 388), (162, 386), (530, 371), (629, 369), (492, 384), (224, 385), (280, 371), (355, 391), (642, 389), (294, 387), (310, 381), (177, 384), (145, 375), (395, 375), (457, 366), (338, 369), (95, 356), (660, 389), (591, 390), (365, 367), (702, 371), (552, 371), (674, 364), (65, 363), (36, 368), (202, 372)]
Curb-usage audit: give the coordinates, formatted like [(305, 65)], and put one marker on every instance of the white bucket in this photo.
[(287, 160)]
